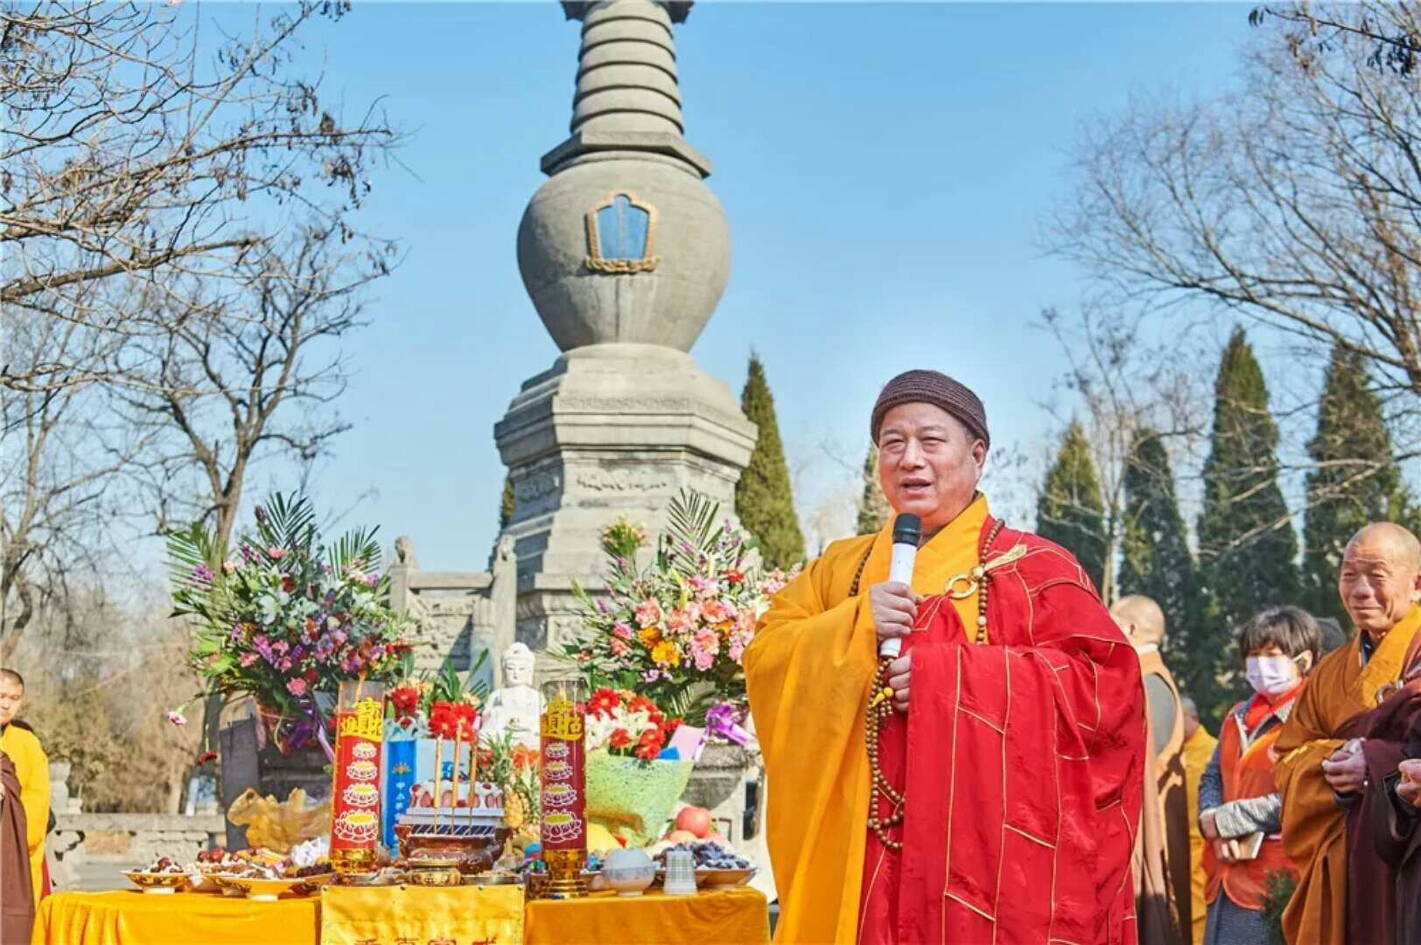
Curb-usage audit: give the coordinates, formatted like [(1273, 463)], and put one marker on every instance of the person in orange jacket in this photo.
[(1240, 809)]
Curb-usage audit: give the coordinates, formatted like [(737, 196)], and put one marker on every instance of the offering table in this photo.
[(390, 915)]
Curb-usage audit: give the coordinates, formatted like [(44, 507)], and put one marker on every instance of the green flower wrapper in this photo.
[(631, 797)]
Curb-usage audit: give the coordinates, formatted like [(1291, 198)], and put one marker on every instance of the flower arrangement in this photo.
[(284, 619), (438, 705), (676, 630), (627, 724)]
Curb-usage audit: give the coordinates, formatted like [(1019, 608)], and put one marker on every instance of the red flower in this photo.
[(405, 699), (466, 716), (619, 738), (442, 720), (604, 701), (642, 704), (650, 743), (287, 584), (732, 576), (206, 756)]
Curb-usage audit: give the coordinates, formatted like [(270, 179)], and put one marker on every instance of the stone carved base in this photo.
[(610, 430)]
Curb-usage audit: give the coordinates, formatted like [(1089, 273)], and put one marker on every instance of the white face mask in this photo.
[(1271, 675)]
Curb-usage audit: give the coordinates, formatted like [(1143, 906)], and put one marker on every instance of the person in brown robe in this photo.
[(17, 907), (1326, 758), (1160, 865), (1383, 871), (1400, 843)]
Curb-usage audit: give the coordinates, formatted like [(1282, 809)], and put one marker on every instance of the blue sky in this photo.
[(885, 169)]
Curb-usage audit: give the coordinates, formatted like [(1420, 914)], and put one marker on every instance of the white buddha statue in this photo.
[(516, 707)]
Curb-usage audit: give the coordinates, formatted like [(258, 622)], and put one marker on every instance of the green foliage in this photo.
[(1070, 511), (1156, 562), (448, 687), (1280, 887), (763, 499), (1354, 480), (505, 503), (873, 504), (1247, 547)]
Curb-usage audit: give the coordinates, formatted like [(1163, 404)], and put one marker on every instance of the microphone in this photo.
[(907, 532)]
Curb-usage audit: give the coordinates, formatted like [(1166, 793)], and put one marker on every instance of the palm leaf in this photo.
[(356, 547), (287, 521), (690, 528)]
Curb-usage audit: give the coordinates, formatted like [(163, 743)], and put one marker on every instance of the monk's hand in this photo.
[(894, 607), (898, 672), (1409, 787), (1207, 827), (1345, 770)]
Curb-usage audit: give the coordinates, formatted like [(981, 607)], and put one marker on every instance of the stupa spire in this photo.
[(627, 95)]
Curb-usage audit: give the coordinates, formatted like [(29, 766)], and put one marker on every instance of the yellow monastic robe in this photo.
[(1198, 749), (809, 671), (1314, 827), (32, 768)]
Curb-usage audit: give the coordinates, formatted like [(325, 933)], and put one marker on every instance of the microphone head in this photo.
[(907, 529)]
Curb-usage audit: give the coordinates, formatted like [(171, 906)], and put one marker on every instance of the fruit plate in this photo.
[(706, 876), (159, 883), (268, 890)]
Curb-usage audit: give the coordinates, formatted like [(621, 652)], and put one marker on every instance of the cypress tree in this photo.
[(1070, 511), (1156, 562), (1354, 480), (505, 502), (763, 499), (873, 505), (1247, 547)]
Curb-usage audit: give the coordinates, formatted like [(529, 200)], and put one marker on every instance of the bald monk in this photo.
[(1160, 862), (1199, 747), (985, 784), (1323, 764)]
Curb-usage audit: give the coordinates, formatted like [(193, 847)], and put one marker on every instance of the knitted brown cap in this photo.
[(932, 387)]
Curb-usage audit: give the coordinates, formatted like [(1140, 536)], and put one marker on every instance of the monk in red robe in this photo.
[(983, 786)]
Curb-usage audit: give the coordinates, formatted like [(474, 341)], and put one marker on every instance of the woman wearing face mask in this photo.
[(1240, 808)]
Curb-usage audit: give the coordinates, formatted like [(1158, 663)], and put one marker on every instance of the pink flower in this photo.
[(648, 613), (713, 611), (297, 686), (704, 587), (619, 647), (678, 621), (276, 554), (176, 717), (704, 648), (623, 631), (739, 640), (284, 664), (229, 566), (248, 659)]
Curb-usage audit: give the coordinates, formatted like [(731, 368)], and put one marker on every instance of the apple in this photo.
[(681, 836), (695, 820)]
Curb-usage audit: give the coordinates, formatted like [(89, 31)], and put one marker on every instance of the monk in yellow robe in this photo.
[(1322, 767), (1199, 747), (996, 793), (32, 770)]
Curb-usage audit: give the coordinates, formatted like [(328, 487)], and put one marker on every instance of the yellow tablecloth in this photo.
[(135, 918), (712, 917), (487, 915)]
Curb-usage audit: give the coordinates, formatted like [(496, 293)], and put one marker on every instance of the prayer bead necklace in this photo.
[(880, 703)]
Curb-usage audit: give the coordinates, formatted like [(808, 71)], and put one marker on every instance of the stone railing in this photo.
[(83, 843)]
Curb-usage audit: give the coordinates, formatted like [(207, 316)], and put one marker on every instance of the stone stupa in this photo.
[(625, 252)]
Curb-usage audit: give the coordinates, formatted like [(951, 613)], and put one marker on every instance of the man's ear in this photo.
[(1305, 662)]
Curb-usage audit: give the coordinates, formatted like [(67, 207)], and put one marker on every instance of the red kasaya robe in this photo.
[(1023, 765)]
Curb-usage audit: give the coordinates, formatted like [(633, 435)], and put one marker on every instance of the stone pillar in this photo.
[(624, 252)]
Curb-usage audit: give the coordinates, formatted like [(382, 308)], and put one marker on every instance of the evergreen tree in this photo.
[(1070, 511), (1247, 548), (873, 504), (763, 500), (505, 502), (1355, 479), (1156, 562)]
